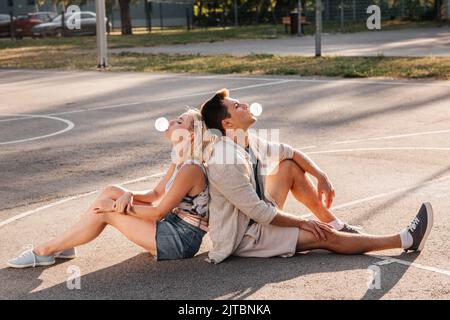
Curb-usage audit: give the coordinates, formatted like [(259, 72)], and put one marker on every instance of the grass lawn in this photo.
[(169, 36), (68, 58)]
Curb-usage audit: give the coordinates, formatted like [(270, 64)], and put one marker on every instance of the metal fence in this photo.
[(351, 10), (159, 14), (249, 12), (185, 13), (144, 13), (351, 15)]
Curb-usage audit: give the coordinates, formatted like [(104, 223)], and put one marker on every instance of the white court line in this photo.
[(345, 81), (221, 77), (307, 147), (158, 99), (392, 137), (441, 83), (69, 127), (381, 149), (384, 194), (14, 119), (54, 204), (83, 195), (411, 264)]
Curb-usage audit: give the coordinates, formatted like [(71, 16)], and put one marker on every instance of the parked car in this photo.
[(55, 27), (5, 25), (24, 23)]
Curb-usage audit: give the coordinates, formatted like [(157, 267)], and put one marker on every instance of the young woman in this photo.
[(171, 229)]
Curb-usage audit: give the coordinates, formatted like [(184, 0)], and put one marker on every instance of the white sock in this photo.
[(406, 238), (337, 224)]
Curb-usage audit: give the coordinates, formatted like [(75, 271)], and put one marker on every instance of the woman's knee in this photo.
[(112, 191)]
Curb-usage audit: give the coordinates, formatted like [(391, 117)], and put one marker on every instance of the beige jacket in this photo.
[(233, 197)]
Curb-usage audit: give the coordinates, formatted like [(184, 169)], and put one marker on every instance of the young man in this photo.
[(246, 217)]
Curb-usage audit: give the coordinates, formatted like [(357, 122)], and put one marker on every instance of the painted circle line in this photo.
[(70, 126)]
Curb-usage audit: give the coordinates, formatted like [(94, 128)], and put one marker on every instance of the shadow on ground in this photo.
[(140, 277)]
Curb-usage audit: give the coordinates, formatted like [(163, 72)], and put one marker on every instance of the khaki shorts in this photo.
[(264, 241)]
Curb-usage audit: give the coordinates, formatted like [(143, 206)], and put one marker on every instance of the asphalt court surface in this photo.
[(64, 135)]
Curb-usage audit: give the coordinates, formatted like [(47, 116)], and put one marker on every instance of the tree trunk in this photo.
[(437, 9), (125, 17)]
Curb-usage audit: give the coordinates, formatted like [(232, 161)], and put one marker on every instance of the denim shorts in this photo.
[(177, 239)]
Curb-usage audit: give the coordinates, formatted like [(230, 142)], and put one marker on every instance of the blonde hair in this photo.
[(203, 142)]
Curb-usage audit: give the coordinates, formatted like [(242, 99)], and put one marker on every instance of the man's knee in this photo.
[(292, 170), (290, 166), (334, 240), (288, 170)]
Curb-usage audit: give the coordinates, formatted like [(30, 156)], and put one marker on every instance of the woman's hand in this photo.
[(104, 205), (317, 228), (120, 205)]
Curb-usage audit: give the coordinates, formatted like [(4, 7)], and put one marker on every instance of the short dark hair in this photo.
[(214, 111)]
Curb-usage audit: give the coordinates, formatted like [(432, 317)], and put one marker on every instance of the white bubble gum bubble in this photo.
[(161, 124), (255, 109)]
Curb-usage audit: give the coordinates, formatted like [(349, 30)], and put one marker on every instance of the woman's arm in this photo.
[(156, 193), (184, 182)]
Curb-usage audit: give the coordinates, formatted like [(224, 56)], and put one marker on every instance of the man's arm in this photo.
[(277, 152), (324, 185), (317, 228)]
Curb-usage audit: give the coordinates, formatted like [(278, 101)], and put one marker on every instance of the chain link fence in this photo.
[(337, 15)]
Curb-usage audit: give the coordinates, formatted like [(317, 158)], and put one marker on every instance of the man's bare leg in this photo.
[(346, 243), (411, 238), (290, 177)]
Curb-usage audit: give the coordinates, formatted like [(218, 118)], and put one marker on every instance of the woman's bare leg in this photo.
[(91, 226), (347, 243)]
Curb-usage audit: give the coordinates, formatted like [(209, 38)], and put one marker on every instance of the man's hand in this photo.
[(325, 189), (122, 202), (317, 228)]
